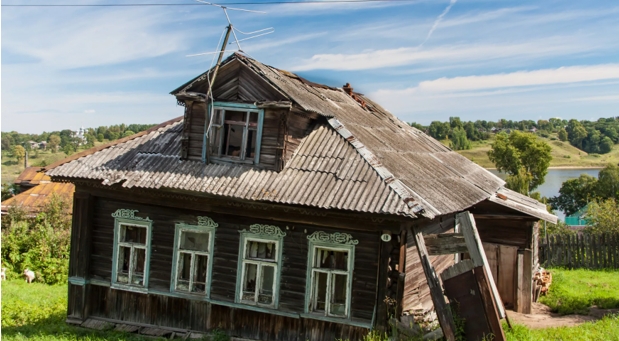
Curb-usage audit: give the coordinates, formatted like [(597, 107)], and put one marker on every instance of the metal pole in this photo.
[(208, 93)]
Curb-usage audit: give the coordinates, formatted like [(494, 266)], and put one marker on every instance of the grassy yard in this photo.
[(574, 291), (563, 155), (606, 329), (38, 311)]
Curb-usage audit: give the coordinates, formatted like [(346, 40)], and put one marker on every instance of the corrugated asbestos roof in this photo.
[(362, 159), (32, 176)]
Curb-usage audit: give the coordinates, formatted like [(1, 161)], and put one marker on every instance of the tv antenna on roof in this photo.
[(229, 29)]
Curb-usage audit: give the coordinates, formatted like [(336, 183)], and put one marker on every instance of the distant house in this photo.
[(36, 189), (533, 129), (43, 145), (33, 144), (577, 219), (281, 210)]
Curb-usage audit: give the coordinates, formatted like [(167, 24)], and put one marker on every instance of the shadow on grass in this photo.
[(54, 327)]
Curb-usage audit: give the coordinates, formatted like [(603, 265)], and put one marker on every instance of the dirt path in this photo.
[(541, 317)]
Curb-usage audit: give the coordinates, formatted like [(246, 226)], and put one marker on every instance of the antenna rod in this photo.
[(211, 82)]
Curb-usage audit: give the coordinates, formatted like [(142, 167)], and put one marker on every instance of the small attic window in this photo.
[(235, 133)]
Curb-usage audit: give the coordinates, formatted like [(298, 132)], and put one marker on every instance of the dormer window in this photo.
[(235, 133)]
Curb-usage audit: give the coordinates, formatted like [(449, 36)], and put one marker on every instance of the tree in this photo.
[(455, 122), (602, 216), (128, 133), (438, 130), (68, 149), (53, 142), (19, 153), (576, 133), (459, 140), (520, 154), (562, 135), (608, 182), (100, 137), (606, 145), (575, 194)]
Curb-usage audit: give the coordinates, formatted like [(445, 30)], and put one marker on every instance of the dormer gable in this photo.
[(246, 121)]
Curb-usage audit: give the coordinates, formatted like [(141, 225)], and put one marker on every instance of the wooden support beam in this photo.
[(524, 294), (382, 317), (443, 311), (478, 256), (445, 244)]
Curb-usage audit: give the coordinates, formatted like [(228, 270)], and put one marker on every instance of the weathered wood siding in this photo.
[(195, 129), (114, 304)]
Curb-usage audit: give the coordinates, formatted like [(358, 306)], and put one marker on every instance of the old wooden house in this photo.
[(278, 209)]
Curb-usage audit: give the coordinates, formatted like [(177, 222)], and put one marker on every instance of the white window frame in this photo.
[(124, 218), (225, 106), (342, 242), (264, 234), (205, 225)]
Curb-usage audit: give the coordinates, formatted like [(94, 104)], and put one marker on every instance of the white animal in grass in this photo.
[(29, 275), (3, 274)]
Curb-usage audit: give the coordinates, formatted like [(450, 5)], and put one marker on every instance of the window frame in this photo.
[(337, 242), (248, 108), (266, 234), (126, 217), (205, 225)]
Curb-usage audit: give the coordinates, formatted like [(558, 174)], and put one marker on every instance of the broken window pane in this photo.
[(338, 295), (214, 140), (139, 261), (124, 259), (330, 259), (260, 250), (233, 139), (196, 241), (217, 116), (199, 275), (320, 290), (265, 296), (253, 119), (249, 282), (236, 117), (250, 149), (133, 234), (184, 271)]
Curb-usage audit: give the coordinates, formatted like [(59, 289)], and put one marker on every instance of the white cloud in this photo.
[(570, 74), (438, 20), (89, 111), (541, 48)]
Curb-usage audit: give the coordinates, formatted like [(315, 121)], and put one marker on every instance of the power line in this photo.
[(198, 4)]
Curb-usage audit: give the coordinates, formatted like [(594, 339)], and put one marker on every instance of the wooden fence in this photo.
[(599, 251)]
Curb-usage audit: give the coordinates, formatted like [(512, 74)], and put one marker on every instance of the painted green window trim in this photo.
[(128, 217), (231, 105), (78, 281), (267, 233), (338, 242), (205, 225)]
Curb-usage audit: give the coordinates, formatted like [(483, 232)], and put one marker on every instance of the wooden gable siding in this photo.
[(294, 265), (195, 129)]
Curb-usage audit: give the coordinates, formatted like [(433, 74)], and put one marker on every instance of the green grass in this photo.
[(606, 329), (38, 312), (11, 168), (563, 154), (574, 291)]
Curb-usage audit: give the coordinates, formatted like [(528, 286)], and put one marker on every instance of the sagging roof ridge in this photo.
[(110, 144)]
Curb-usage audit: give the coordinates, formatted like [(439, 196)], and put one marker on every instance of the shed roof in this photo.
[(35, 198), (32, 176), (359, 158)]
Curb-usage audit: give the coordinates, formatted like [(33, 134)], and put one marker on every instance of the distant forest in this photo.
[(69, 140), (590, 136)]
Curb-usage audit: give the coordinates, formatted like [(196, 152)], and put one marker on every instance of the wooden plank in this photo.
[(492, 316), (444, 244), (506, 273), (475, 247), (443, 311), (492, 254), (519, 304), (382, 317), (456, 269)]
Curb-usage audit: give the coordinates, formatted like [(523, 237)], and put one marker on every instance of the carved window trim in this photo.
[(265, 234), (248, 108), (124, 218), (338, 242), (205, 225)]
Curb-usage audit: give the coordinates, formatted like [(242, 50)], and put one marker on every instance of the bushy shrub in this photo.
[(40, 243)]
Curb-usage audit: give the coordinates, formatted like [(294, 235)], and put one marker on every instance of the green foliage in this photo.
[(53, 142), (459, 140), (19, 153), (38, 312), (8, 190), (602, 216), (574, 291), (522, 156), (39, 243), (574, 194), (606, 329), (128, 133), (439, 130), (68, 149)]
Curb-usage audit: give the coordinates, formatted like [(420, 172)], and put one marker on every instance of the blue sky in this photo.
[(66, 67)]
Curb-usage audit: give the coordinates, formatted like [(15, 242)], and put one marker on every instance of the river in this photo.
[(555, 178)]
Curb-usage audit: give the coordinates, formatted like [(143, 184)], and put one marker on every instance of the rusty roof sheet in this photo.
[(33, 199), (375, 162), (32, 176)]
